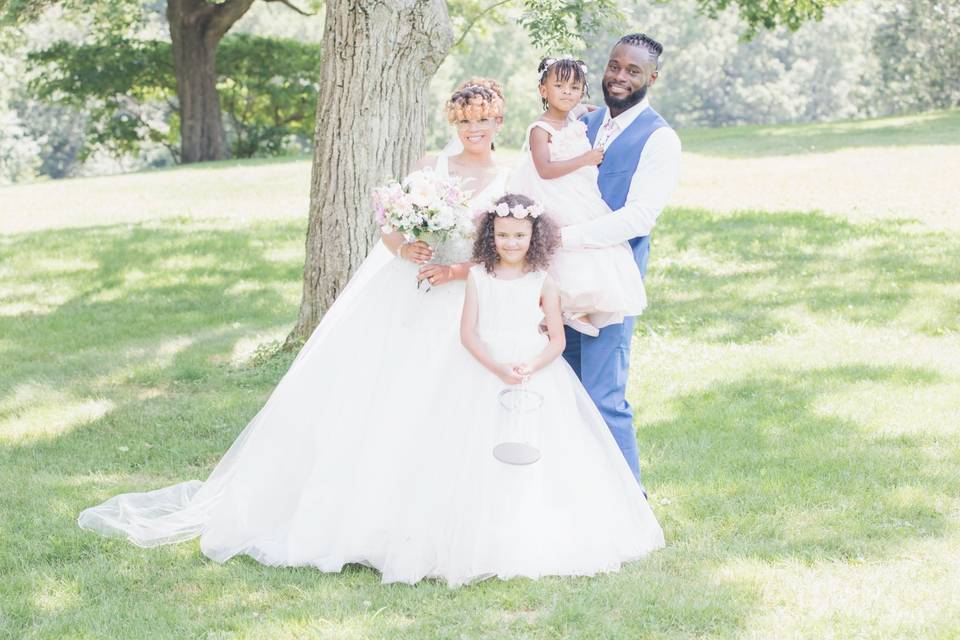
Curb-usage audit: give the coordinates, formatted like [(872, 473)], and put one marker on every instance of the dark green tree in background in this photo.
[(196, 28), (918, 45), (267, 88)]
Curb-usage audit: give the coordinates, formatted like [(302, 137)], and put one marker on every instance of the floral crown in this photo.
[(517, 211), (549, 62)]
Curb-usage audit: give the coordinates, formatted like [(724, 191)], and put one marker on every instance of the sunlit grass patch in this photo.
[(53, 595), (34, 411), (893, 409), (857, 598), (931, 128)]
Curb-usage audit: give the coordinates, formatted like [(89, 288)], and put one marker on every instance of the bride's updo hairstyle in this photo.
[(475, 99), (544, 237)]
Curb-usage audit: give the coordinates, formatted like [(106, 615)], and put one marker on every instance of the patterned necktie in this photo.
[(605, 133)]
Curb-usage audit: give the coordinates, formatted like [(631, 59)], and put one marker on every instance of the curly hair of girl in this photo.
[(544, 237)]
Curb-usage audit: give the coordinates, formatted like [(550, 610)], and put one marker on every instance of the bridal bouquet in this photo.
[(426, 206)]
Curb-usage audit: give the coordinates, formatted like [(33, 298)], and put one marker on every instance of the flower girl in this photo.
[(575, 511), (598, 287)]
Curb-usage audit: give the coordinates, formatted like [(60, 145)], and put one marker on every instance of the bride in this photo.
[(346, 462)]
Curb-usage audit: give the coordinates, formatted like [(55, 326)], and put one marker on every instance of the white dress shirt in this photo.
[(650, 189)]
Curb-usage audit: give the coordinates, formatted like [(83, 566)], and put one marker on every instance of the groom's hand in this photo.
[(593, 157)]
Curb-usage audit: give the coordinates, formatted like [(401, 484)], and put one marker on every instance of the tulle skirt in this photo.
[(576, 511), (375, 448)]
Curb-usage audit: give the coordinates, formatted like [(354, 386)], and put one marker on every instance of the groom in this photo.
[(639, 171)]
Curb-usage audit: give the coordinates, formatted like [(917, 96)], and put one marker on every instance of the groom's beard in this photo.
[(622, 104)]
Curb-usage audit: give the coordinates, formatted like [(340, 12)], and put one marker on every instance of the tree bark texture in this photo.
[(196, 28), (378, 59)]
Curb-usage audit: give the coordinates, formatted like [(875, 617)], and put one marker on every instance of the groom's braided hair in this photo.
[(644, 41), (544, 238)]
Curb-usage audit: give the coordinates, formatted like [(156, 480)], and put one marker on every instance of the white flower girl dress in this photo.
[(576, 511)]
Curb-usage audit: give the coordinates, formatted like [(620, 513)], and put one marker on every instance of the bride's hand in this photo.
[(508, 374), (523, 370), (436, 274), (417, 252)]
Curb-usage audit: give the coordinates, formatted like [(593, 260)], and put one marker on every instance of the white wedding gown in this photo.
[(359, 453)]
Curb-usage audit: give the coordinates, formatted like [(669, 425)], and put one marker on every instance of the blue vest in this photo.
[(620, 163)]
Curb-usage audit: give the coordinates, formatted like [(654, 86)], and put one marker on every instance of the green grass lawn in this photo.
[(796, 380)]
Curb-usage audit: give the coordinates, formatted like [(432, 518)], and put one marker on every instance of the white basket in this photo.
[(519, 426)]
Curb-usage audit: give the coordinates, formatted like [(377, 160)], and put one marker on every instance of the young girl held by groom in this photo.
[(597, 287)]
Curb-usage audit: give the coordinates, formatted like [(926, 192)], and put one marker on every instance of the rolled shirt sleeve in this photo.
[(650, 189)]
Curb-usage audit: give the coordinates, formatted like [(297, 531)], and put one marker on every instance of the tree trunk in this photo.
[(196, 28), (371, 118)]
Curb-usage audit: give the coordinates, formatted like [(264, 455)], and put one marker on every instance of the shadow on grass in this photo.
[(172, 592), (756, 470), (749, 275), (148, 329), (78, 583), (132, 290), (753, 469), (933, 128)]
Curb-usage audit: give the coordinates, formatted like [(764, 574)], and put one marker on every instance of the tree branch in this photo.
[(226, 14), (190, 18), (290, 5), (474, 20)]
